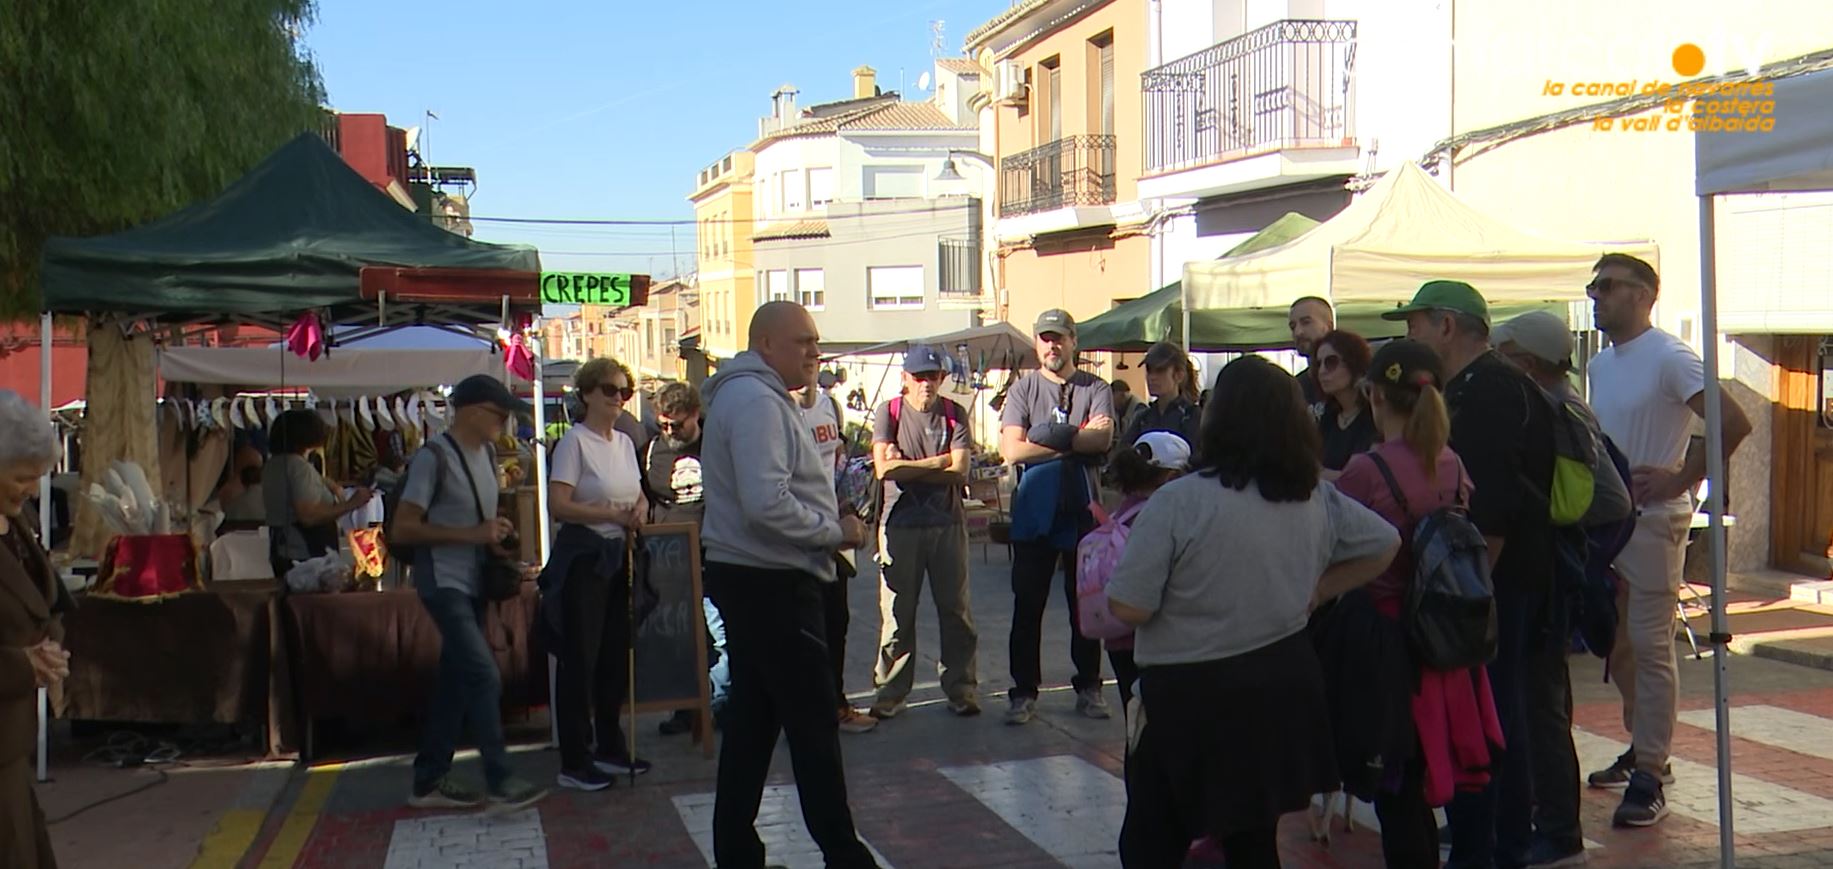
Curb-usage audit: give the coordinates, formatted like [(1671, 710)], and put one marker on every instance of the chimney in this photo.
[(865, 83)]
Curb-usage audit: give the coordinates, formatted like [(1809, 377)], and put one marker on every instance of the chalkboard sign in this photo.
[(670, 646)]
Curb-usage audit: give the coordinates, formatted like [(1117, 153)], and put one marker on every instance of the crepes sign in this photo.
[(614, 289)]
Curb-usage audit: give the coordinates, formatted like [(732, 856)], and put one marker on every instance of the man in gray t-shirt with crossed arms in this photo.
[(920, 448), (1056, 412)]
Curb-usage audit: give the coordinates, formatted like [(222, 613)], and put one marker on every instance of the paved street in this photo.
[(929, 789)]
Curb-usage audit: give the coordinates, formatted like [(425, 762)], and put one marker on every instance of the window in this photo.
[(895, 288), (958, 275), (777, 285), (820, 185), (894, 182), (791, 189), (1101, 90), (1049, 96), (811, 289)]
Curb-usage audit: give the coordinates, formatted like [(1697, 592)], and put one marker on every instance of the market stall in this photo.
[(1795, 155), (302, 245), (1401, 232)]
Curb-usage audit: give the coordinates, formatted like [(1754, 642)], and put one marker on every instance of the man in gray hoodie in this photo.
[(771, 529)]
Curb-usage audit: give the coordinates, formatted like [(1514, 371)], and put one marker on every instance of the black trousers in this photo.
[(776, 632), (1033, 565), (837, 615), (1126, 674), (592, 677), (1547, 686), (1409, 829)]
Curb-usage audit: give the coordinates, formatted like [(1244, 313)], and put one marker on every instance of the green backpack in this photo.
[(1574, 457)]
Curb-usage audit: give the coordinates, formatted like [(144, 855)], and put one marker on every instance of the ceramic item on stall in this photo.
[(400, 414)]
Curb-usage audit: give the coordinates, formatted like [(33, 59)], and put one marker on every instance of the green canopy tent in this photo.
[(1136, 325), (301, 231)]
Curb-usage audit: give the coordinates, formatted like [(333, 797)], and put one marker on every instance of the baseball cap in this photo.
[(923, 359), (1540, 333), (1443, 296), (1406, 362), (1055, 320), (484, 389), (1164, 450)]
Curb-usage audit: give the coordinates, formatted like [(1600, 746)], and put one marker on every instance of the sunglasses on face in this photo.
[(611, 391), (1600, 286), (667, 424), (1330, 363)]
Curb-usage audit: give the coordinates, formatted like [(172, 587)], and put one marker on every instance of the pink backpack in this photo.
[(1096, 558)]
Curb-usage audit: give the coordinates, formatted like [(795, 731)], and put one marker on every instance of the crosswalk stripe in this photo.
[(1762, 807), (1773, 726), (470, 841), (779, 824), (1067, 806)]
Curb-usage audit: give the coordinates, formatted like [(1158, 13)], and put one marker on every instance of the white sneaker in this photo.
[(1091, 704), (1023, 710)]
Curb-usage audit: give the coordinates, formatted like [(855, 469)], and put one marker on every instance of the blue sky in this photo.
[(609, 109)]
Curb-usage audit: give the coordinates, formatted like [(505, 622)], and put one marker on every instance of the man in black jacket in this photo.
[(671, 475), (1502, 428)]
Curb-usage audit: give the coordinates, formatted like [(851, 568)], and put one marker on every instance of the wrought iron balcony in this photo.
[(1071, 171), (1290, 84)]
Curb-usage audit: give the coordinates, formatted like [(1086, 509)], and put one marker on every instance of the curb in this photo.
[(1784, 652)]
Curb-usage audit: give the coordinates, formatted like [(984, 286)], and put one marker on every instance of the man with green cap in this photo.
[(1502, 428)]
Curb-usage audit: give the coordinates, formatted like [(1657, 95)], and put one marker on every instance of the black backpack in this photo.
[(1449, 610)]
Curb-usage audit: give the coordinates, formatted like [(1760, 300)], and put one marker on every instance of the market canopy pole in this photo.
[(1720, 637)]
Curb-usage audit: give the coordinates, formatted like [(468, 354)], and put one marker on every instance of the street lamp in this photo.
[(951, 173)]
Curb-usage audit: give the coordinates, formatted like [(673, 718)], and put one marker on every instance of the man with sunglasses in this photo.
[(1646, 389), (1056, 425), (920, 448), (671, 469)]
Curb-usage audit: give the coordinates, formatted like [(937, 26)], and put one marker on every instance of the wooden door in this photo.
[(1801, 527)]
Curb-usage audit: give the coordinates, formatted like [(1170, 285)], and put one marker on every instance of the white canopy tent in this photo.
[(1796, 155), (1400, 233), (344, 371)]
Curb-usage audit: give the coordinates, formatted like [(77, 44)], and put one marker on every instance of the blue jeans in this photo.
[(468, 687), (721, 672)]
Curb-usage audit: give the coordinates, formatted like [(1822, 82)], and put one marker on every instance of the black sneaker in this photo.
[(444, 794), (1644, 803), (619, 764), (1616, 776), (586, 778), (1546, 854), (514, 794), (675, 725)]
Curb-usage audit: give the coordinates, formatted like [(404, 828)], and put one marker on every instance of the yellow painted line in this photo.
[(291, 840), (225, 846)]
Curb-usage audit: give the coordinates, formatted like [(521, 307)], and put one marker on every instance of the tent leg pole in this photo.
[(44, 525), (1715, 508)]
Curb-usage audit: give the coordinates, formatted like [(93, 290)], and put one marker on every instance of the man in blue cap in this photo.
[(920, 450)]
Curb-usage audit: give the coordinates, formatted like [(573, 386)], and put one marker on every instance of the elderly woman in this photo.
[(31, 653), (302, 509), (1220, 574), (595, 492)]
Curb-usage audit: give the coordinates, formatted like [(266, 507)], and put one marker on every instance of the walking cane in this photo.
[(630, 616)]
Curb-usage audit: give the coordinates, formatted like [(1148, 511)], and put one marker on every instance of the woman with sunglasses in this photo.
[(595, 492), (1348, 429)]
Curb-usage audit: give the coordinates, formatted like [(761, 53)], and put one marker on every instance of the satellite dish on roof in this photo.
[(923, 82)]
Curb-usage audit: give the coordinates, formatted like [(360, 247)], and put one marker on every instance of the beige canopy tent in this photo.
[(1402, 232)]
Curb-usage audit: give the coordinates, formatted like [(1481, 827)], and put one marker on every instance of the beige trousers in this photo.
[(1643, 663)]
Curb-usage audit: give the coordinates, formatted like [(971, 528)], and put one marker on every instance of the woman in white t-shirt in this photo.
[(595, 493)]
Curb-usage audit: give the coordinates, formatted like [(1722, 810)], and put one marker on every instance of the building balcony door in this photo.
[(1801, 519)]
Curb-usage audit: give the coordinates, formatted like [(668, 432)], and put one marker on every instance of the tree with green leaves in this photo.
[(114, 114)]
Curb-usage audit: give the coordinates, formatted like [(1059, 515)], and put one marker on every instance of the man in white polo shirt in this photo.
[(1646, 388)]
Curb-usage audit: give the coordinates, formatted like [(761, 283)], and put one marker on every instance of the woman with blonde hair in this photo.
[(596, 494)]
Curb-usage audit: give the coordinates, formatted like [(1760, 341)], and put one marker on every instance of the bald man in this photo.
[(772, 527)]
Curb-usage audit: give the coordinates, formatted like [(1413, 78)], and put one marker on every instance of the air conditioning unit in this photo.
[(1009, 78)]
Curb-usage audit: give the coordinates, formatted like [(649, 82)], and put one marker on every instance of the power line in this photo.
[(571, 221)]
